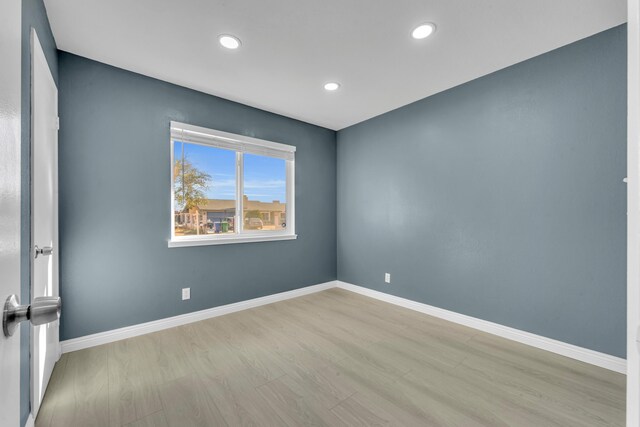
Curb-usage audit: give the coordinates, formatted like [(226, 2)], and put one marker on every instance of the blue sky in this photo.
[(264, 177)]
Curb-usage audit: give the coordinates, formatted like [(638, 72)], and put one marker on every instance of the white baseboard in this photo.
[(183, 319), (579, 353), (30, 421)]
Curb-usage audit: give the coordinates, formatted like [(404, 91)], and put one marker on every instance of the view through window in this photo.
[(204, 189), (215, 179), (265, 199)]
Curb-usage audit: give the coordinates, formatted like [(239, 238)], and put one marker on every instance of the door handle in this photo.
[(44, 251), (42, 310)]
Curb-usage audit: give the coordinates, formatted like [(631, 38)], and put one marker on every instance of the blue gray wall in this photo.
[(34, 16), (501, 198), (114, 160)]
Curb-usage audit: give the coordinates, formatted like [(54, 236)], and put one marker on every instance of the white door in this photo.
[(44, 208), (10, 32)]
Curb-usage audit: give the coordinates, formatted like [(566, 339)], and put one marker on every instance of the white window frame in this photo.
[(241, 144)]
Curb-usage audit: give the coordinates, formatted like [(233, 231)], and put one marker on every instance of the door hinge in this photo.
[(57, 123)]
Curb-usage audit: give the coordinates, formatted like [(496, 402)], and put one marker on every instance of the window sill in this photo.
[(206, 241)]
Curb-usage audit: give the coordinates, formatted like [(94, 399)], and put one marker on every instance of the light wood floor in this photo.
[(333, 358)]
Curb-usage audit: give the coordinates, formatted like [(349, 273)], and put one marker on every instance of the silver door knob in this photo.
[(42, 310), (44, 251)]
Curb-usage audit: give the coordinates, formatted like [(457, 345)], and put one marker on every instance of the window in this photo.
[(229, 188)]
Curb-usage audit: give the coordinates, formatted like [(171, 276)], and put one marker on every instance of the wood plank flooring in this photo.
[(333, 358)]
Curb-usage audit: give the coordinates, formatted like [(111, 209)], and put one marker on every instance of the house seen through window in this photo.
[(229, 187)]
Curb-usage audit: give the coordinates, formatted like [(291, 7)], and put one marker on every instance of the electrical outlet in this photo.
[(186, 293), (387, 277)]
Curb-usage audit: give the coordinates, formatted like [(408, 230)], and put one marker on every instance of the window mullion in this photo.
[(239, 191)]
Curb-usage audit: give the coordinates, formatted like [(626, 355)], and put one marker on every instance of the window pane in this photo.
[(265, 195), (204, 189)]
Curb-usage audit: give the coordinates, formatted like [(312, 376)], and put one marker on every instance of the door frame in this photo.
[(633, 214)]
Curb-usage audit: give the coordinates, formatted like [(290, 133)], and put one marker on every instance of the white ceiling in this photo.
[(290, 48)]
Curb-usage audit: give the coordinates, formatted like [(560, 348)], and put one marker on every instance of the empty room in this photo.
[(320, 213)]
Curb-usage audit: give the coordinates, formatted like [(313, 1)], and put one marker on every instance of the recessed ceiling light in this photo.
[(229, 41), (423, 31), (331, 86)]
